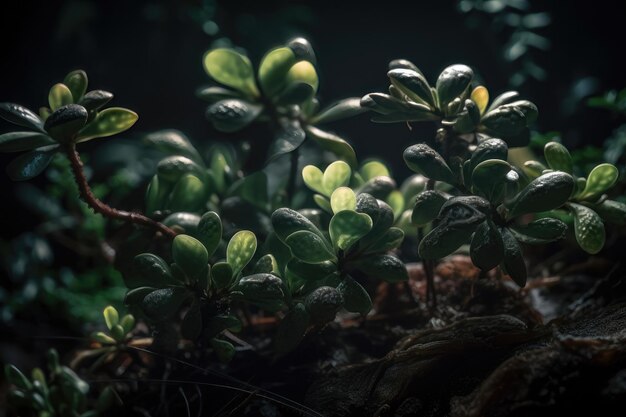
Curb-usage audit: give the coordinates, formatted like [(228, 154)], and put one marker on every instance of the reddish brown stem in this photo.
[(104, 209)]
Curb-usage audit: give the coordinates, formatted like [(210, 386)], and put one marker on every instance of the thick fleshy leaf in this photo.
[(491, 148), (612, 211), (395, 199), (464, 211), (505, 122), (347, 227), (343, 109), (528, 108), (427, 206), (287, 221), (31, 164), (172, 168), (323, 203), (453, 82), (382, 266), (313, 177), (545, 193), (149, 270), (336, 175), (489, 178), (77, 82), (264, 290), (173, 142), (210, 231), (111, 316), (323, 303), (424, 160), (343, 198), (404, 64), (390, 240), (600, 179), (540, 231), (380, 213), (190, 255), (253, 189), (378, 187), (289, 137), (59, 96), (222, 275), (216, 93), (413, 84), (128, 323), (443, 240), (267, 264), (189, 193), (333, 143), (273, 70), (95, 100), (588, 228), (302, 49), (191, 325), (313, 272), (240, 250), (303, 72), (534, 169), (373, 169), (20, 115), (309, 247), (186, 221), (224, 350), (164, 303), (513, 263), (109, 122), (558, 157), (504, 98), (23, 141), (232, 69), (355, 297), (486, 247), (292, 329), (233, 114), (480, 96), (65, 123)]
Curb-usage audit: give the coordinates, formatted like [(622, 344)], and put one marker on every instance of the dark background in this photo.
[(149, 54)]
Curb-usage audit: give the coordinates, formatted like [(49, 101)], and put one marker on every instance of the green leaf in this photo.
[(232, 69), (210, 231), (343, 109), (59, 96), (313, 178), (588, 228), (111, 317), (486, 248), (302, 49), (513, 263), (313, 272), (264, 290), (187, 222), (343, 198), (505, 122), (355, 297), (164, 303), (390, 240), (136, 295), (222, 275), (612, 211), (424, 160), (600, 179), (292, 329), (333, 143), (323, 304), (534, 169), (273, 70), (488, 149), (378, 187), (427, 206), (215, 93), (287, 221), (188, 194), (66, 122), (323, 203), (347, 227), (20, 115), (504, 98), (385, 267), (267, 264), (413, 84), (172, 168), (217, 324), (23, 141), (480, 96), (190, 255), (16, 377), (240, 250), (540, 231), (173, 142), (395, 199), (373, 169), (303, 72), (528, 108), (95, 100), (31, 164), (108, 122), (558, 157), (309, 247), (224, 350), (453, 82), (443, 240), (545, 193), (233, 114), (76, 82), (191, 325), (289, 137), (128, 323), (336, 175), (490, 178)]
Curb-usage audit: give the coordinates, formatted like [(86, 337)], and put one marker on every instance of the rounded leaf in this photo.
[(558, 157), (600, 179), (309, 247), (16, 377), (588, 228), (111, 317), (341, 110), (312, 272), (65, 123), (232, 69), (210, 231), (427, 206), (23, 141), (486, 247), (173, 142), (190, 255), (480, 96), (488, 149), (303, 72), (336, 175), (612, 211), (59, 96), (413, 84), (490, 177), (31, 164), (540, 231), (240, 250), (128, 323), (504, 98), (323, 304), (333, 143), (232, 115), (514, 264), (287, 221), (108, 122), (355, 297), (313, 178), (264, 290), (424, 160), (20, 115), (76, 81), (273, 69), (347, 227), (385, 267), (222, 275), (164, 303), (172, 168), (443, 240), (544, 193), (188, 194), (302, 49), (95, 100), (223, 349), (453, 82), (505, 122), (343, 198)]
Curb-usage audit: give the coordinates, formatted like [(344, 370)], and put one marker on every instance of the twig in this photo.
[(100, 207)]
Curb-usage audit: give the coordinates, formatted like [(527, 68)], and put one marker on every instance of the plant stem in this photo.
[(429, 266), (293, 174), (100, 207)]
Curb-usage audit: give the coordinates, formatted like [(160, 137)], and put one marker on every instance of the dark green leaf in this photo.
[(108, 122), (136, 295), (16, 377), (385, 267), (443, 240), (287, 139), (333, 143), (490, 177), (232, 115), (31, 164), (355, 297), (343, 109), (287, 222), (347, 227), (545, 193), (189, 193), (240, 250), (95, 100), (588, 228), (215, 93), (513, 264), (19, 115), (164, 303), (453, 82), (313, 272), (188, 222), (173, 142), (488, 149), (424, 160), (23, 141), (323, 304), (222, 275), (612, 211), (309, 247), (264, 290), (503, 98), (505, 122), (223, 349), (390, 240), (302, 49), (540, 231), (486, 248), (378, 187), (413, 84), (427, 206), (190, 255), (172, 168), (76, 81), (292, 329), (210, 231), (267, 264), (65, 122)]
